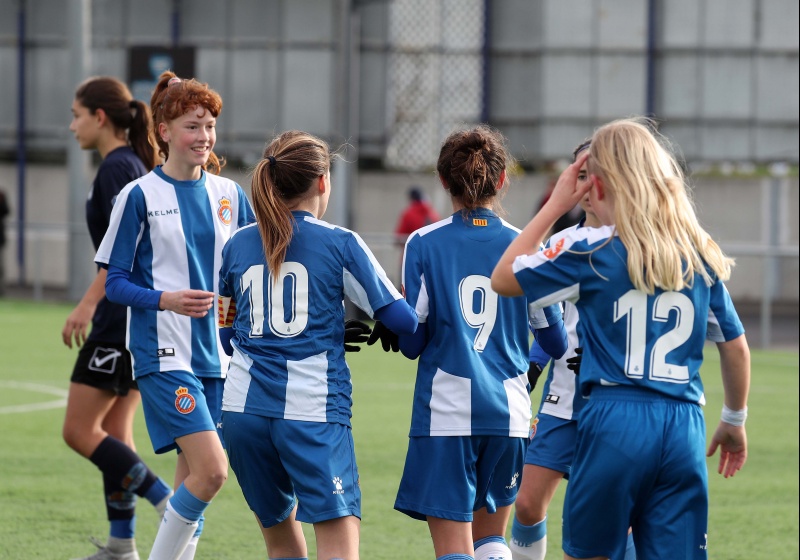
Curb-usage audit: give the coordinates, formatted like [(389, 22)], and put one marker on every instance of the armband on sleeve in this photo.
[(226, 311)]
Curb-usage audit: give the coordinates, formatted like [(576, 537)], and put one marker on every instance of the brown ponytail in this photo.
[(471, 163), (289, 167)]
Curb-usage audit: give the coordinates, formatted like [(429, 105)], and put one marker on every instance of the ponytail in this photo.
[(290, 165), (140, 134)]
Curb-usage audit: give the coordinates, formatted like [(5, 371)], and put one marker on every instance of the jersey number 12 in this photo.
[(633, 307)]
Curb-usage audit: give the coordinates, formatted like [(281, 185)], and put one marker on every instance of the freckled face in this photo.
[(191, 137), (84, 126)]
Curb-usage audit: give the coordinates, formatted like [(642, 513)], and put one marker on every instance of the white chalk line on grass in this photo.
[(37, 388)]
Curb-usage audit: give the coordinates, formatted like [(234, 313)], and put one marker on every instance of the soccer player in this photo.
[(162, 250), (103, 396), (646, 285), (471, 409), (552, 436), (288, 395)]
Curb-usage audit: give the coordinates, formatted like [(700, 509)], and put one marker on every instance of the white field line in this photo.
[(36, 388)]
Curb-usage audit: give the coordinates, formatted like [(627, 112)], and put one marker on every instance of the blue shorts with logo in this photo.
[(177, 403), (552, 443), (282, 463), (449, 477), (639, 462)]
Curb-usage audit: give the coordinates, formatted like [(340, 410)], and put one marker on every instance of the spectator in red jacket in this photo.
[(417, 214)]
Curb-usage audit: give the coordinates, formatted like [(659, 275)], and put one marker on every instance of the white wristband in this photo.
[(733, 417)]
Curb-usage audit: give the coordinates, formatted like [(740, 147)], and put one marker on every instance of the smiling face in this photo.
[(84, 126), (191, 137)]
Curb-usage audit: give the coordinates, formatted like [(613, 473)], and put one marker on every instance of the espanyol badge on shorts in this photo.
[(225, 211), (184, 402), (532, 431)]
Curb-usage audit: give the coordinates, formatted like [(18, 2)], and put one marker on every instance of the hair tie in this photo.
[(272, 161), (174, 80)]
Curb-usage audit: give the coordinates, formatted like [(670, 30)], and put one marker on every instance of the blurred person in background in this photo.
[(471, 409), (288, 395), (103, 396), (4, 212), (162, 250), (417, 214)]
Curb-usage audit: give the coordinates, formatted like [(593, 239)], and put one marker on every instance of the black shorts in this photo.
[(104, 366)]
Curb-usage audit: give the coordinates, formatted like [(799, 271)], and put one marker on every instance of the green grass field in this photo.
[(51, 498)]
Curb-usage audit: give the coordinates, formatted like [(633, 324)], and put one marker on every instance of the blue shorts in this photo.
[(639, 462), (449, 477), (552, 443), (276, 459), (177, 403)]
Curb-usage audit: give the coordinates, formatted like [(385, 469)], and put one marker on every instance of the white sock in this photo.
[(528, 542), (191, 548), (493, 550), (173, 536), (534, 551), (161, 506)]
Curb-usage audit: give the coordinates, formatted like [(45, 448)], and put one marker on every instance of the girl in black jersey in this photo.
[(103, 396)]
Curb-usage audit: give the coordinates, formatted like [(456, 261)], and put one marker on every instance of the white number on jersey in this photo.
[(484, 319), (633, 307), (295, 276)]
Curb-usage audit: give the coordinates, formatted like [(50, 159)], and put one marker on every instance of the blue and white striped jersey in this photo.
[(560, 397), (288, 360), (628, 337), (472, 373), (169, 234)]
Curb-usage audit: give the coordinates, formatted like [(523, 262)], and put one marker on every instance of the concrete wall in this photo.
[(722, 75), (733, 210)]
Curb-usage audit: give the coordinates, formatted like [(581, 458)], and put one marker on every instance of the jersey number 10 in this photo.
[(291, 288)]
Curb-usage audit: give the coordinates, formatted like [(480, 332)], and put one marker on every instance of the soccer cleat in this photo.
[(127, 550)]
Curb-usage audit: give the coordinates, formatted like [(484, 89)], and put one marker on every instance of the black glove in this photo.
[(355, 332), (534, 371), (388, 338), (574, 363)]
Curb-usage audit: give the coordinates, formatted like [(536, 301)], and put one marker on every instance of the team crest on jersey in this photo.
[(481, 222), (225, 211), (532, 431), (552, 252), (184, 402)]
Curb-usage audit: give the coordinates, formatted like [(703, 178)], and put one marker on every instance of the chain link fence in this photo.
[(436, 71)]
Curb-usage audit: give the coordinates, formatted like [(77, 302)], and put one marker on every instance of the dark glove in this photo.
[(355, 332), (574, 363), (534, 371), (388, 338)]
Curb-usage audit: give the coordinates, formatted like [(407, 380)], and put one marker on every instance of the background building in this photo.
[(390, 78)]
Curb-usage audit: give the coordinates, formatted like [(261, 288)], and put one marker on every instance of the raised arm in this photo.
[(565, 196)]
